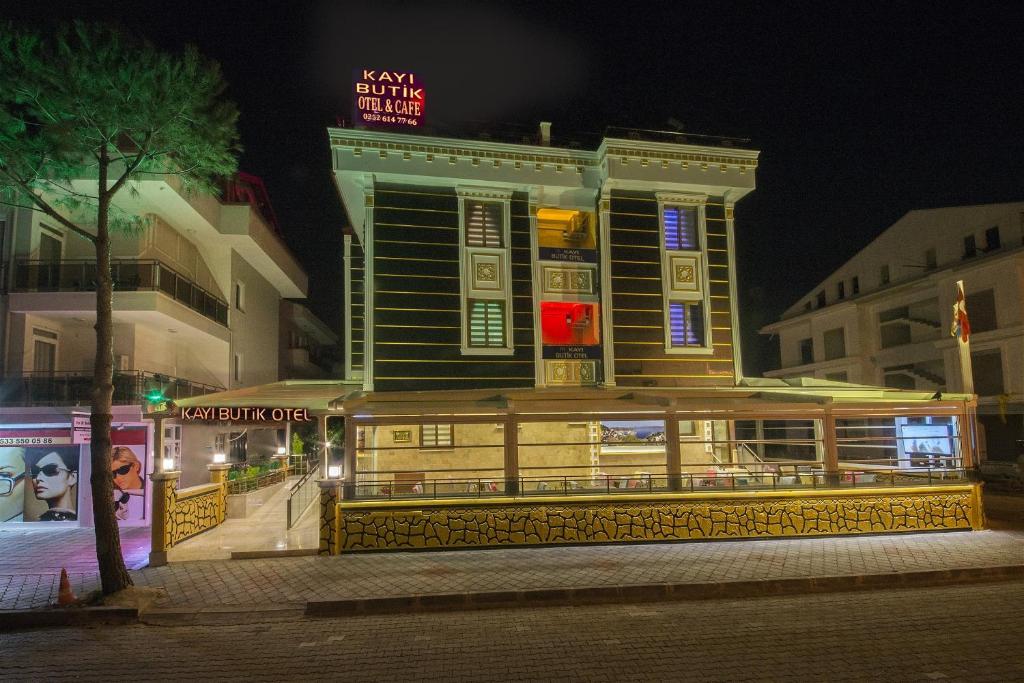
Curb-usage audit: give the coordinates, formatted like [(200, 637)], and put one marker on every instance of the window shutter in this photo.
[(483, 224), (686, 323), (487, 324), (680, 228), (439, 435)]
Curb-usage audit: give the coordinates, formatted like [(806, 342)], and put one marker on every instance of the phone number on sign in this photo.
[(27, 441), (386, 118)]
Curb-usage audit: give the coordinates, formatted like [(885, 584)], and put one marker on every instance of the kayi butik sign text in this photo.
[(245, 415), (390, 98)]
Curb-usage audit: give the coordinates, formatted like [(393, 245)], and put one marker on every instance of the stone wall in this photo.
[(669, 517), (192, 511)]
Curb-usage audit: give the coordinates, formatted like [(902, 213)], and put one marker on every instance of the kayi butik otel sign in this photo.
[(245, 415), (388, 98)]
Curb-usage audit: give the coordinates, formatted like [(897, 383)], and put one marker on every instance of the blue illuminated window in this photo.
[(681, 228), (686, 324)]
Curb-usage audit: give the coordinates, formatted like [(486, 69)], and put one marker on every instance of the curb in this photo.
[(655, 592), (221, 615), (11, 620), (267, 554)]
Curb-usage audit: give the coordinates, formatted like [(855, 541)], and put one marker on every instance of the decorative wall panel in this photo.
[(524, 522), (192, 511)]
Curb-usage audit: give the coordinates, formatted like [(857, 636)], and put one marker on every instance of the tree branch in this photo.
[(45, 207), (139, 157)]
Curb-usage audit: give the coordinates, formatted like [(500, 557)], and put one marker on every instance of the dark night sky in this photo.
[(861, 114)]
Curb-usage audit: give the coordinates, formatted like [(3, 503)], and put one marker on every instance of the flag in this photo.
[(961, 327)]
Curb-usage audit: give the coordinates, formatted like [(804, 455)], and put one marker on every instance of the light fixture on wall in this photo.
[(281, 450), (168, 464), (219, 458), (334, 472)]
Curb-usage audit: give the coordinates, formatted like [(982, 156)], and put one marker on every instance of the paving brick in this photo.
[(295, 580)]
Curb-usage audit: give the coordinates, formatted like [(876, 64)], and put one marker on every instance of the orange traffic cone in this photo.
[(66, 596)]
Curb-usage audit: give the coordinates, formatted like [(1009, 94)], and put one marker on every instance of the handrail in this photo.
[(312, 470), (296, 510)]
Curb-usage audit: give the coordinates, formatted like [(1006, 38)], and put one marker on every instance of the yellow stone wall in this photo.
[(192, 511), (668, 517)]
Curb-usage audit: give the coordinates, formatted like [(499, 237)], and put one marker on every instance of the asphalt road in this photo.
[(968, 633)]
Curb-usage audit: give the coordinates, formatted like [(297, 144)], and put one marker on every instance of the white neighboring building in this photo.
[(196, 309), (884, 316)]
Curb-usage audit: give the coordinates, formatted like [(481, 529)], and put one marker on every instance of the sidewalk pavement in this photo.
[(292, 581)]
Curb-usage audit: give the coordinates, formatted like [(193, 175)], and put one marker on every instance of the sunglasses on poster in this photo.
[(50, 470), (122, 470), (8, 482)]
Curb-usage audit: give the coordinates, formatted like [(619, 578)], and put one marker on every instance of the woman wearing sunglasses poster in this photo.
[(54, 479), (126, 469), (12, 484)]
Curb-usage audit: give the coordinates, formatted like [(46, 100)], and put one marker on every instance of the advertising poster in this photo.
[(926, 446), (51, 483), (128, 468), (12, 484)]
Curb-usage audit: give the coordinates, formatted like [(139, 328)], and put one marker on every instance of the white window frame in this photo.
[(53, 233), (702, 296), (504, 258), (237, 367), (46, 336), (437, 444)]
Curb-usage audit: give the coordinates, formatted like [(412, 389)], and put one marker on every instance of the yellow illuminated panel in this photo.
[(565, 229)]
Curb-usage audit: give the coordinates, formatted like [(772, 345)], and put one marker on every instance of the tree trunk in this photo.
[(113, 573)]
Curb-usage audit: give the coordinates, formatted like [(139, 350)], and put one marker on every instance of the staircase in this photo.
[(937, 380)]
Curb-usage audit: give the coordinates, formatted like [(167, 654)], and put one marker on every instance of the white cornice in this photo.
[(700, 155), (479, 149), (684, 154)]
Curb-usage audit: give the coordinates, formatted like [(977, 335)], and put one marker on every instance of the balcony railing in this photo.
[(75, 388), (129, 276)]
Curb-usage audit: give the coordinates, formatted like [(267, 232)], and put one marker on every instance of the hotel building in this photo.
[(542, 347)]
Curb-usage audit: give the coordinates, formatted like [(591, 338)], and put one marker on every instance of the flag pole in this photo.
[(961, 329)]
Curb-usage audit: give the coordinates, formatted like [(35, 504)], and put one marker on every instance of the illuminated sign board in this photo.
[(245, 415), (388, 98)]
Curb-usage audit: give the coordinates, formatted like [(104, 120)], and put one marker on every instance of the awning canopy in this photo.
[(752, 396), (316, 396)]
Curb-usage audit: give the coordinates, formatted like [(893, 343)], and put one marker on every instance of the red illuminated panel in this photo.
[(568, 323)]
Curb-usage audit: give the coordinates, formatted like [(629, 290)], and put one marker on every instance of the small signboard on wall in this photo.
[(81, 429)]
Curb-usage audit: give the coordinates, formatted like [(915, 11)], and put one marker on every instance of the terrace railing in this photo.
[(713, 478), (75, 388), (130, 275)]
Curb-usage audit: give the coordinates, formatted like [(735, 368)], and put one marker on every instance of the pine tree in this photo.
[(84, 112)]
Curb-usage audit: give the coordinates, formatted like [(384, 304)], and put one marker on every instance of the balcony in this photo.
[(75, 388), (129, 276)]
